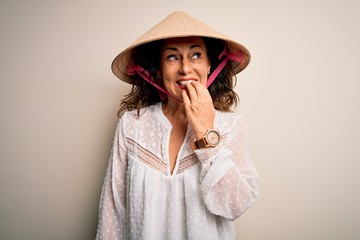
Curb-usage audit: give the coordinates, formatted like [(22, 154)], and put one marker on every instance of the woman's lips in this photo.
[(182, 83)]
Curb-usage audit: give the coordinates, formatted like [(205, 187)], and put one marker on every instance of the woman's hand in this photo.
[(199, 108)]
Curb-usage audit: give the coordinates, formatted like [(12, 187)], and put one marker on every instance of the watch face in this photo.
[(213, 137)]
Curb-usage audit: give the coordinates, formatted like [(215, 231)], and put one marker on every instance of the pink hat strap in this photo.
[(234, 56), (136, 69)]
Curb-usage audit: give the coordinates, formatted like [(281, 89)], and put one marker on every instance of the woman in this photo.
[(180, 166)]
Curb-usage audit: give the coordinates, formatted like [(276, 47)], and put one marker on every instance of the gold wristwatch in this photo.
[(212, 138)]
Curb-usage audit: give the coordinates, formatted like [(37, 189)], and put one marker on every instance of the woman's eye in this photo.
[(172, 57), (196, 56)]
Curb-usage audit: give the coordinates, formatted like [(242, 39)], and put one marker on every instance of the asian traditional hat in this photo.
[(180, 24)]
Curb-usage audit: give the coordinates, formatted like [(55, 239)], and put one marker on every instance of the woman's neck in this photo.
[(174, 111)]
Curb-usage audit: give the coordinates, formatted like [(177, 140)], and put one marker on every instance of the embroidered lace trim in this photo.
[(151, 160), (187, 162)]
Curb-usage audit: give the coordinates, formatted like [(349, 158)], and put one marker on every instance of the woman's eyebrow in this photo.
[(194, 46), (171, 48), (176, 49)]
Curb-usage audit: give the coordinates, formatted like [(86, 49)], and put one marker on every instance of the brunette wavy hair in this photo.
[(143, 94)]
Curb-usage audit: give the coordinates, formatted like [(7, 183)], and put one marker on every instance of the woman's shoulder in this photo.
[(135, 113), (228, 120), (139, 114), (231, 115), (131, 121)]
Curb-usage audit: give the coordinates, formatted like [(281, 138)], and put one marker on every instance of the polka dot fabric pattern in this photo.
[(207, 190)]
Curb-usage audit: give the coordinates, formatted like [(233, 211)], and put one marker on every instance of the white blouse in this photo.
[(208, 188)]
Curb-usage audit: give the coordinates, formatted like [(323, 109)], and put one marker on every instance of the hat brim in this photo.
[(177, 24)]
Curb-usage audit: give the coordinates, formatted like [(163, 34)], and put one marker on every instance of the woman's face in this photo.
[(183, 60)]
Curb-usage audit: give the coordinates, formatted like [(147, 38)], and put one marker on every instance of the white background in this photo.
[(58, 103)]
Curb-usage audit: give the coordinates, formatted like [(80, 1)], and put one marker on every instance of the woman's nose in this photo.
[(185, 67)]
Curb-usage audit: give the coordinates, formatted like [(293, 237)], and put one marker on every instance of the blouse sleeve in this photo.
[(228, 177), (112, 223)]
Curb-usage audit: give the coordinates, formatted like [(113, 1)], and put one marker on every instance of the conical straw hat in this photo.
[(177, 24)]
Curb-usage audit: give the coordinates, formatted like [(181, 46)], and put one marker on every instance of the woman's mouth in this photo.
[(182, 83)]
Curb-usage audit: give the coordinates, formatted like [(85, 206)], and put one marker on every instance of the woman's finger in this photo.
[(192, 93)]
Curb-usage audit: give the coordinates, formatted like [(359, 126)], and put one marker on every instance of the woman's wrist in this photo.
[(199, 134)]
